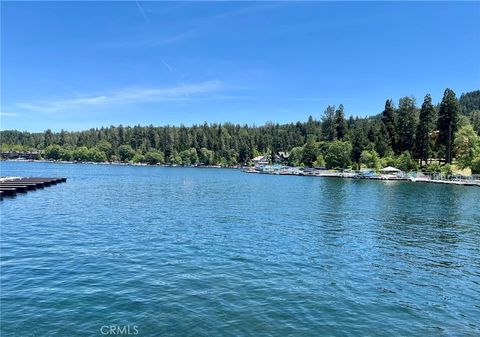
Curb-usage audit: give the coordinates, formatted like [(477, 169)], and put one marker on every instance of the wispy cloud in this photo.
[(166, 65), (9, 114), (181, 92), (140, 8), (188, 29)]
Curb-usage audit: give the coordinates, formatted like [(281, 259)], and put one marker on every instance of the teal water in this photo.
[(217, 252)]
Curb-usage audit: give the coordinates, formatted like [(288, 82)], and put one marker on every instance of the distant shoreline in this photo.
[(342, 174), (118, 163)]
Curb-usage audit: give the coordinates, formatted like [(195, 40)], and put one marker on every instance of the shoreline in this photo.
[(118, 163), (294, 171), (415, 177)]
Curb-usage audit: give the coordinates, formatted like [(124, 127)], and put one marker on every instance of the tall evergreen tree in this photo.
[(447, 122), (328, 124), (407, 123), (359, 143), (426, 125), (310, 151), (48, 138), (388, 119), (340, 123)]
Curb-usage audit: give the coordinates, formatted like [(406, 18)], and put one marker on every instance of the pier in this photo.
[(11, 186)]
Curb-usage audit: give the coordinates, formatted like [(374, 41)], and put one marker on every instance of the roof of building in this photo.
[(390, 169)]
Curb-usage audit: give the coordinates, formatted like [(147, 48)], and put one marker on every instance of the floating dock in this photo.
[(11, 186)]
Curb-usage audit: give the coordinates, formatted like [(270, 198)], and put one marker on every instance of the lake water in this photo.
[(217, 252)]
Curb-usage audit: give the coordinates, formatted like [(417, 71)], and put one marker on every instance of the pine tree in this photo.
[(340, 123), (447, 122), (388, 119), (328, 124), (423, 144), (48, 138), (359, 143), (407, 123)]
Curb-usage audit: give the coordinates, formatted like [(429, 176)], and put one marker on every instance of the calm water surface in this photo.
[(216, 252)]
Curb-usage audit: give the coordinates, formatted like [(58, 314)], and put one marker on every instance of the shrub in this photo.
[(125, 152), (339, 155), (405, 162), (154, 157), (476, 166), (138, 158), (434, 167), (447, 170)]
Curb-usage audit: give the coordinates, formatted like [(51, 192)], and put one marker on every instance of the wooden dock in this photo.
[(11, 186)]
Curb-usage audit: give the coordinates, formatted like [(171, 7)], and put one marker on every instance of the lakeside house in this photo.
[(27, 155), (261, 160), (280, 158)]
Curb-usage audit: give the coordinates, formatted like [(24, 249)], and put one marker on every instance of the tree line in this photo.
[(404, 135)]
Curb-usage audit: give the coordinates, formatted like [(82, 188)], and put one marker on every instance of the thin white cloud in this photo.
[(9, 114), (166, 65), (195, 26), (127, 96), (140, 8)]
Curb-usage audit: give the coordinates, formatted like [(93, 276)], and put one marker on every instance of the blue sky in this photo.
[(77, 65)]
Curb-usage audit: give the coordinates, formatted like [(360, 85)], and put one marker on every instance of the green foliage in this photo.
[(319, 162), (175, 159), (476, 165), (95, 155), (309, 152), (447, 122), (447, 170), (388, 161), (154, 157), (296, 156), (406, 123), (188, 157), (126, 153), (469, 102), (388, 134), (105, 147), (339, 155), (467, 146), (340, 123), (426, 125), (80, 154), (370, 159), (206, 156), (405, 162), (434, 167), (328, 124), (53, 152), (138, 158), (475, 120), (14, 147), (66, 154), (388, 120)]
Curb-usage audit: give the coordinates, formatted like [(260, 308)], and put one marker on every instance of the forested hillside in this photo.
[(408, 134)]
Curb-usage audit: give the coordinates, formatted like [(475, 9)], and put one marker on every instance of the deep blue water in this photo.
[(217, 252)]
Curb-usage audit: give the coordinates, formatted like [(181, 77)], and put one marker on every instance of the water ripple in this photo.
[(190, 252)]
